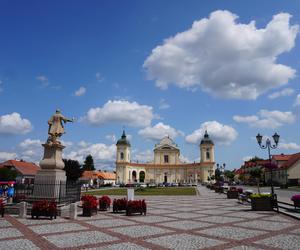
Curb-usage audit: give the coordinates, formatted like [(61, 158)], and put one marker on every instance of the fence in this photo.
[(61, 192)]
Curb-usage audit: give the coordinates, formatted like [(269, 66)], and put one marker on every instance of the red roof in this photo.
[(292, 160), (281, 157), (25, 168)]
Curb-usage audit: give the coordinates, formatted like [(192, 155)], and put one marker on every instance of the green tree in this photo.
[(255, 173), (73, 169), (255, 159), (7, 174), (89, 163), (218, 175), (229, 175)]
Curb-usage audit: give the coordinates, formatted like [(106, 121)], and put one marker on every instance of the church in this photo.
[(166, 165)]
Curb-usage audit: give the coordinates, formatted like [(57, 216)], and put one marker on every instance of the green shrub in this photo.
[(253, 196)]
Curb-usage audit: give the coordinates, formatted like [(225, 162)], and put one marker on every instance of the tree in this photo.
[(255, 159), (7, 174), (89, 163), (218, 175), (229, 175), (255, 173), (73, 169)]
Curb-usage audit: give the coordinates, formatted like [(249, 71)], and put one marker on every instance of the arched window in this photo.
[(207, 154), (142, 176), (122, 155)]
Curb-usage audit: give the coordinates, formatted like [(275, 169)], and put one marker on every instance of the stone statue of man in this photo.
[(56, 127)]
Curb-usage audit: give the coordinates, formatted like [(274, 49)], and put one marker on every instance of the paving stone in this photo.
[(296, 231), (286, 242), (29, 221), (270, 225), (150, 218), (186, 224), (220, 219), (57, 228), (79, 239), (234, 233), (186, 215), (248, 215), (5, 223), (245, 248), (110, 223), (120, 246), (140, 231), (98, 216), (184, 241), (212, 211), (19, 244), (9, 233)]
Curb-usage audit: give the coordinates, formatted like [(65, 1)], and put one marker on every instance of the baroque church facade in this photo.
[(166, 165)]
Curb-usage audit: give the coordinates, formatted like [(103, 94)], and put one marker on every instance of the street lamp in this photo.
[(269, 146), (221, 167)]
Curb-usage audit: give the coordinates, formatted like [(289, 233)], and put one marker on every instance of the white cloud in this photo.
[(297, 101), (219, 133), (31, 150), (43, 80), (5, 156), (123, 112), (111, 137), (289, 146), (163, 104), (284, 92), (1, 84), (224, 57), (143, 156), (80, 92), (267, 119), (247, 158), (158, 131), (14, 124), (99, 77)]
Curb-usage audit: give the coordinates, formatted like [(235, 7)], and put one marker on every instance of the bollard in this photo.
[(73, 211), (130, 194), (23, 210)]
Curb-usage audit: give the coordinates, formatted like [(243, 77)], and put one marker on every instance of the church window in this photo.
[(166, 159), (207, 154), (122, 155)]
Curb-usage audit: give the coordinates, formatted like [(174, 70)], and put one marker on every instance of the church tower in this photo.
[(207, 151), (123, 149)]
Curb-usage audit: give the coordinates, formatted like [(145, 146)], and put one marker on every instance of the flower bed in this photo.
[(119, 205), (104, 203), (89, 205), (261, 202), (240, 190), (44, 208), (18, 198), (232, 193), (2, 207), (137, 206), (296, 200)]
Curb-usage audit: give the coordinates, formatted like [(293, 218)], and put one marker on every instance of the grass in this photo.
[(147, 191)]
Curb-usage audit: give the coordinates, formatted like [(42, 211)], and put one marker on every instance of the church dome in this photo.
[(123, 140), (206, 139)]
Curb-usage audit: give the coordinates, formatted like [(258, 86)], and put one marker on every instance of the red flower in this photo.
[(296, 197), (44, 206), (104, 201), (89, 201)]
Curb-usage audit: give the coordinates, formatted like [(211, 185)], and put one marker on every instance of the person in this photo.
[(10, 191), (56, 127), (1, 191)]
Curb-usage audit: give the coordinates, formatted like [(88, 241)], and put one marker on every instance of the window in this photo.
[(207, 154), (166, 158), (122, 155)]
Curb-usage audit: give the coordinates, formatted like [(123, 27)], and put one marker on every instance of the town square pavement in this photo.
[(205, 221)]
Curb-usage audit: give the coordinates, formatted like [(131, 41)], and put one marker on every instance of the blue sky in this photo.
[(154, 67)]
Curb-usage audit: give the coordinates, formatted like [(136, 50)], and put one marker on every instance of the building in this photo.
[(166, 165), (26, 170), (98, 178)]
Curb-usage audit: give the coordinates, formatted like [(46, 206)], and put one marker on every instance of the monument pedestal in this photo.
[(50, 181)]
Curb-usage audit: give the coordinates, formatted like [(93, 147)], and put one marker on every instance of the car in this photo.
[(129, 185), (143, 185), (151, 185), (160, 184), (174, 184), (167, 184)]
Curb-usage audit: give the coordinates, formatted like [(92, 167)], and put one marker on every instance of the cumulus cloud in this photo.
[(142, 156), (163, 104), (123, 112), (297, 101), (80, 92), (224, 57), (158, 131), (289, 146), (267, 119), (111, 137), (247, 158), (30, 150), (5, 156), (219, 133), (14, 124), (284, 92)]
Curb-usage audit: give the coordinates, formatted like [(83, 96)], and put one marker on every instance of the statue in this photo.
[(56, 127)]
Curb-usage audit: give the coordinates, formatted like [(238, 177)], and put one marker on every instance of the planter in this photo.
[(296, 204), (1, 208), (104, 203), (136, 207), (119, 205), (88, 212), (232, 194), (219, 189), (103, 206), (37, 213), (261, 204)]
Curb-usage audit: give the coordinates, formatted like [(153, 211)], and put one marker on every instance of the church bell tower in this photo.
[(207, 149)]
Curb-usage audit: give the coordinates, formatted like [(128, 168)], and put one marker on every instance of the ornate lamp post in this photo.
[(221, 167), (269, 146)]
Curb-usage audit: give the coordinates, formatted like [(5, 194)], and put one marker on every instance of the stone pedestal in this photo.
[(50, 181), (130, 194)]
